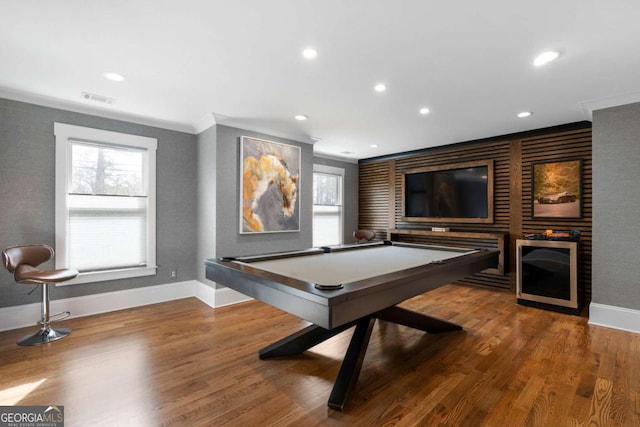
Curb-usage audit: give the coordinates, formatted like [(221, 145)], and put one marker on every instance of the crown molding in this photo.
[(588, 107), (250, 125), (336, 158), (77, 107)]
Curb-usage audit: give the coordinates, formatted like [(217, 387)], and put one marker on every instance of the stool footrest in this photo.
[(56, 317)]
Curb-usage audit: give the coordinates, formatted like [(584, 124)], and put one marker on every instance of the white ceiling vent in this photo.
[(98, 98)]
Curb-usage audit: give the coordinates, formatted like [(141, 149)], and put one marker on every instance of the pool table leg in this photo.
[(312, 335), (352, 363), (415, 320), (301, 341)]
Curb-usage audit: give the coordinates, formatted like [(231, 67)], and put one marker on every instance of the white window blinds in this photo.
[(327, 205), (105, 203), (107, 207)]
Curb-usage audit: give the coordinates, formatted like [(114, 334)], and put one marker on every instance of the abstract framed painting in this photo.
[(269, 184), (557, 189)]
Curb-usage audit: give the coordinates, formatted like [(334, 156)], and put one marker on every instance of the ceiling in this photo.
[(193, 63)]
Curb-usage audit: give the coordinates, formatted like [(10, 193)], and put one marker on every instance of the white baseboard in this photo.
[(206, 294), (28, 314), (610, 316), (226, 296)]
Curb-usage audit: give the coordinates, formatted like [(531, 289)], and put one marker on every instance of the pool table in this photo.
[(336, 288)]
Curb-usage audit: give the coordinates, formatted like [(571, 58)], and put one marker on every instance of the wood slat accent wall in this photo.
[(380, 187), (497, 151), (373, 197), (555, 147)]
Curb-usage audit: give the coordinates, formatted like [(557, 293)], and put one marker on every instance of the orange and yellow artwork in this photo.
[(270, 178)]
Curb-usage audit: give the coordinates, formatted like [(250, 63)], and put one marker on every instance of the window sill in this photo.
[(101, 276)]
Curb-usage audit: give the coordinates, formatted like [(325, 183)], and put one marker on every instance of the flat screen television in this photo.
[(461, 192)]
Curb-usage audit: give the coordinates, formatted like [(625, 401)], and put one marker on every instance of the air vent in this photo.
[(98, 98)]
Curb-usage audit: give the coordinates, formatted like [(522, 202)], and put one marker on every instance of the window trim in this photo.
[(63, 133), (331, 170)]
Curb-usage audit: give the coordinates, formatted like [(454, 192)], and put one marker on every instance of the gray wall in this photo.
[(219, 219), (207, 174), (350, 195), (27, 195), (197, 196), (229, 242), (616, 206)]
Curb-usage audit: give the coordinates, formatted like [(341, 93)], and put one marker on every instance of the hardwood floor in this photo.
[(183, 363)]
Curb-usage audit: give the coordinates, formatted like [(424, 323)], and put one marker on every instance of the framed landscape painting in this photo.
[(557, 189), (269, 183)]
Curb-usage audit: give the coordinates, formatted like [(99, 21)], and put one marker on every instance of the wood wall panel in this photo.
[(515, 202), (554, 147), (498, 152), (381, 201), (373, 197), (373, 204)]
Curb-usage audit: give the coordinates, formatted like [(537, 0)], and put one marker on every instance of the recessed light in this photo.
[(310, 53), (424, 110), (545, 57), (524, 114), (114, 76), (380, 87), (373, 145), (347, 153), (301, 117)]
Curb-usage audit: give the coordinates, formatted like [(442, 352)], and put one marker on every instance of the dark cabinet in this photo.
[(547, 275)]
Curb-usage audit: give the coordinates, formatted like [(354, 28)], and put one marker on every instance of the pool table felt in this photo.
[(353, 265)]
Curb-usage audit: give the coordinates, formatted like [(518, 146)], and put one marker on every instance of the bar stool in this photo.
[(22, 262)]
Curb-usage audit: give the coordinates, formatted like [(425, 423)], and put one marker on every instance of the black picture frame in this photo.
[(556, 189)]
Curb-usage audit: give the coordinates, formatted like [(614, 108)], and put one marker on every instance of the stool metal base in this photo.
[(44, 336)]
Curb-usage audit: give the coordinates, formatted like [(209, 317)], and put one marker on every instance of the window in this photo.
[(327, 205), (105, 203)]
